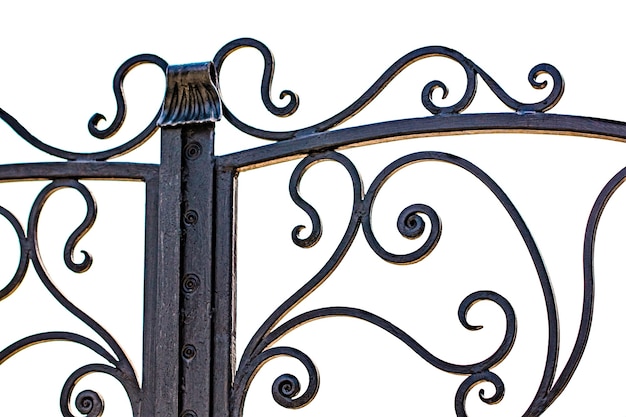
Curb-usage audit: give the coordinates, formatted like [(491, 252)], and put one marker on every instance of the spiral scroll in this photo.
[(87, 402), (471, 71), (105, 133), (412, 223)]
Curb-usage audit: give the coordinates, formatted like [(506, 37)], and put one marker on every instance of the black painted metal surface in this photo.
[(189, 364)]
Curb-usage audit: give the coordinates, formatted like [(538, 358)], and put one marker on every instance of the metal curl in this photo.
[(118, 90), (511, 322), (268, 75), (473, 380), (427, 95), (256, 345), (470, 89), (471, 70), (96, 118), (285, 387), (89, 402), (22, 266), (498, 356), (545, 389), (541, 106), (410, 223), (122, 360), (79, 232), (294, 192)]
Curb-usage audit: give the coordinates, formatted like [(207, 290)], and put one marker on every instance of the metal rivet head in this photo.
[(188, 413), (191, 282), (189, 352), (190, 217), (193, 150)]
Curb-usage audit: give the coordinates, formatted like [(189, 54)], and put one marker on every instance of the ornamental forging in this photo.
[(189, 280)]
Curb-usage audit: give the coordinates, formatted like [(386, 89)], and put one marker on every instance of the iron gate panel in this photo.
[(189, 359)]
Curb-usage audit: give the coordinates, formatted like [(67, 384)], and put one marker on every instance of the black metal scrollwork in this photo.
[(418, 222), (470, 68), (87, 402), (96, 118), (417, 219), (411, 223)]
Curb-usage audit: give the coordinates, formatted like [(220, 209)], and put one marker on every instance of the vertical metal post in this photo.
[(188, 117), (196, 269), (224, 294), (164, 365)]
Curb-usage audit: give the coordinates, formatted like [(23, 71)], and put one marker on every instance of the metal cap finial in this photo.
[(192, 95)]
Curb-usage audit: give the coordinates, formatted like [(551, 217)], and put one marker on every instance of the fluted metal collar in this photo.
[(192, 95)]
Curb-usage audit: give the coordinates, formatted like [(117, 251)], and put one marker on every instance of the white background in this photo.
[(58, 62)]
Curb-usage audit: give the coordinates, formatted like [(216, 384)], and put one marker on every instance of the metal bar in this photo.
[(164, 394), (150, 336), (224, 294), (196, 268), (84, 171), (455, 124)]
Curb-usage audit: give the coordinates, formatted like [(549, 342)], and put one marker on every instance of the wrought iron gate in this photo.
[(189, 366)]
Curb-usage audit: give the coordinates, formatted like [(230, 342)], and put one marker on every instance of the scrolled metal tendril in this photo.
[(498, 356), (471, 71), (81, 230), (122, 362), (473, 380), (255, 353), (89, 402), (96, 118), (541, 106), (285, 388), (511, 325), (22, 266), (268, 75), (254, 346), (118, 90), (294, 192), (410, 223)]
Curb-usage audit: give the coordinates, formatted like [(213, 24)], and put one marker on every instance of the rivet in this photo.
[(193, 150), (189, 352), (190, 217), (191, 282), (188, 413)]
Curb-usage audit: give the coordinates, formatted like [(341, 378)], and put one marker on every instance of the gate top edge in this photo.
[(472, 72), (193, 96)]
